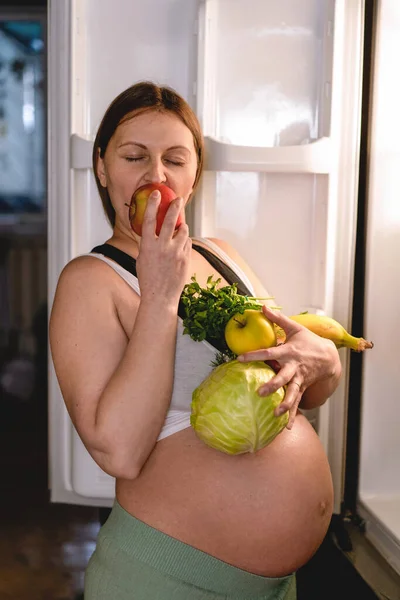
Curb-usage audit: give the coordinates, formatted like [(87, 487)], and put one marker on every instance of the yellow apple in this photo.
[(249, 331)]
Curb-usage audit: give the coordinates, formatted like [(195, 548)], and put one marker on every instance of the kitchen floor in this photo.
[(44, 548)]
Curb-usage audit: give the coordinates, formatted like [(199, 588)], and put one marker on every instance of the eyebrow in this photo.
[(132, 143)]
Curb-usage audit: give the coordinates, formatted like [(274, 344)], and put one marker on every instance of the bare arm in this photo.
[(318, 393), (117, 391)]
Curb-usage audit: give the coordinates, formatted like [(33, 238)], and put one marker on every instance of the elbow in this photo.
[(129, 474), (117, 465), (311, 400), (118, 459), (318, 393), (116, 455), (121, 468)]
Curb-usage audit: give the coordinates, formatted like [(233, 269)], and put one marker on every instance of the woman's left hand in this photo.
[(305, 359)]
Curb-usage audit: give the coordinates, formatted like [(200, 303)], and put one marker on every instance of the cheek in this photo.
[(187, 183), (122, 181)]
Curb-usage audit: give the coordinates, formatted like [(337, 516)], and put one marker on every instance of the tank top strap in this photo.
[(122, 263), (122, 258), (224, 264)]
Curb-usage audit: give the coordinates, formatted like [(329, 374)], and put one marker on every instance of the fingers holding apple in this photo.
[(287, 325), (170, 228), (138, 204), (252, 337)]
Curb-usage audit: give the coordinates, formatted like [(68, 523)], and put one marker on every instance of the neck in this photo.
[(128, 243)]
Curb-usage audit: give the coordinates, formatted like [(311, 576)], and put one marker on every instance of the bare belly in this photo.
[(266, 513)]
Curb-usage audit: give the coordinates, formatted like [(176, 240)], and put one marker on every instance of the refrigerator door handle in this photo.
[(307, 158)]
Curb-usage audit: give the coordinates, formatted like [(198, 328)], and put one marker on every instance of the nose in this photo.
[(155, 172)]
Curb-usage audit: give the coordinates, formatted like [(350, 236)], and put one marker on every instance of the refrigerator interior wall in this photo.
[(272, 103), (379, 485)]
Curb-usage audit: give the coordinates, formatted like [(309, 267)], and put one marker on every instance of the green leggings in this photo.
[(133, 561)]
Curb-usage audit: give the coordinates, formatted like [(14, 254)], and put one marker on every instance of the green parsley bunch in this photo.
[(207, 311)]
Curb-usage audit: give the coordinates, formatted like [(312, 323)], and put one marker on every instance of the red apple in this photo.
[(138, 205)]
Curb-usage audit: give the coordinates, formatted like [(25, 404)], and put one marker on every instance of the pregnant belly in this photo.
[(266, 513)]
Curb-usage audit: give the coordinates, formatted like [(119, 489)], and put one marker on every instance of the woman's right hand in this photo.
[(163, 261)]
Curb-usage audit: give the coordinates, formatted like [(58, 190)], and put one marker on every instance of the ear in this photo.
[(101, 170), (192, 191)]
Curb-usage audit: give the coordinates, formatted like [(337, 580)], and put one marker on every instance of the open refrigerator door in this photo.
[(278, 91)]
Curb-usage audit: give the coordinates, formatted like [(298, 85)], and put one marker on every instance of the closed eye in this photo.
[(176, 163), (134, 158)]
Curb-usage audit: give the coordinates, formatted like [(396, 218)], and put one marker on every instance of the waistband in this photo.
[(174, 558)]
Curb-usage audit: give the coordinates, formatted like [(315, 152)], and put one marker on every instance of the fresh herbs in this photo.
[(222, 358), (209, 309)]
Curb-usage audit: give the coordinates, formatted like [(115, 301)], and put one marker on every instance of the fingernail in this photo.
[(279, 411), (156, 194), (240, 358)]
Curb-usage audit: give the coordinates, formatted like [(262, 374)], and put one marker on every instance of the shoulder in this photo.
[(234, 255), (84, 264), (82, 275), (81, 279), (230, 251), (85, 270), (241, 262), (87, 302), (86, 283)]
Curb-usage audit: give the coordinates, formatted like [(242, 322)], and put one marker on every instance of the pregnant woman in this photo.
[(189, 522)]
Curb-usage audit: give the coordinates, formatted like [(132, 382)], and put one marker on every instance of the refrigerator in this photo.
[(291, 181)]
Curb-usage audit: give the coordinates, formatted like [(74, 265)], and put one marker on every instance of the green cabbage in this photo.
[(229, 415)]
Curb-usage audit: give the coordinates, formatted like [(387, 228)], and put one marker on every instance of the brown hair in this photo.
[(139, 98)]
